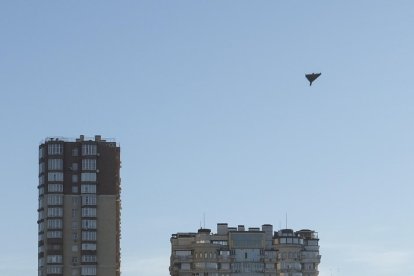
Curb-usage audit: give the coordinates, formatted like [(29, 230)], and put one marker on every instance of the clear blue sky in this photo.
[(209, 102)]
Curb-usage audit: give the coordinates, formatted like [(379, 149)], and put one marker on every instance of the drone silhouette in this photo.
[(312, 77)]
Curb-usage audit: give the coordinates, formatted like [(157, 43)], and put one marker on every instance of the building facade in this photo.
[(79, 207), (247, 252)]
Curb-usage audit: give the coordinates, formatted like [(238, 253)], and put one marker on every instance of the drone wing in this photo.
[(312, 77)]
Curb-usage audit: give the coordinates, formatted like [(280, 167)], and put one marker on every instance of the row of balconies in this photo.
[(294, 268), (221, 258)]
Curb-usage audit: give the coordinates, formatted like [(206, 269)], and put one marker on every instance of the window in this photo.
[(200, 265), (55, 188), (75, 178), (89, 149), (54, 234), (55, 212), (88, 177), (183, 253), (225, 266), (88, 246), (88, 224), (88, 212), (40, 202), (74, 189), (224, 253), (88, 164), (41, 180), (55, 164), (88, 270), (41, 152), (185, 266), (88, 189), (88, 200), (41, 215), (74, 212), (55, 176), (74, 167), (54, 247), (89, 258), (54, 224), (54, 269), (41, 167), (55, 199), (74, 260), (41, 260), (41, 191), (41, 226), (211, 266), (74, 225), (55, 149), (220, 242), (88, 236), (74, 235)]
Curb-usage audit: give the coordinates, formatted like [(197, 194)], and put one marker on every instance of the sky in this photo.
[(215, 119)]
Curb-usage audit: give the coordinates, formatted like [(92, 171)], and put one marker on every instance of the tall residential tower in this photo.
[(79, 207)]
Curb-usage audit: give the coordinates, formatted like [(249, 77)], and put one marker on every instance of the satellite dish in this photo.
[(312, 77)]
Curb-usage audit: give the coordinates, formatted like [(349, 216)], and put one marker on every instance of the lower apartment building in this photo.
[(247, 252)]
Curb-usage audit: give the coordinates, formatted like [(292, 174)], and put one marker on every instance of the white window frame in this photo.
[(89, 149), (55, 199), (88, 246), (55, 176), (55, 212), (88, 270), (88, 189), (54, 224), (89, 199), (88, 164), (55, 164), (89, 235), (55, 149), (88, 177), (89, 212), (55, 188), (88, 224)]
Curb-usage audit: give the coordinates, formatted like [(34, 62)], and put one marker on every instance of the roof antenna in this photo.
[(286, 220)]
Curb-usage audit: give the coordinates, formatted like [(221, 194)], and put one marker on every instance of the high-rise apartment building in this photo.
[(245, 252), (79, 207)]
